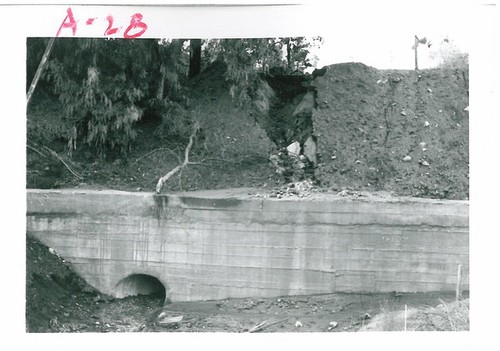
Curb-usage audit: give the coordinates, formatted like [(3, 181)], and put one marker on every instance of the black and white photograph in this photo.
[(303, 177)]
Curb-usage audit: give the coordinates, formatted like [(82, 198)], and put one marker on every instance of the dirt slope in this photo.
[(401, 131), (405, 132)]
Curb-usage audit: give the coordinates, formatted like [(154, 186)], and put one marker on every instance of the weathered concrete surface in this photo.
[(213, 245)]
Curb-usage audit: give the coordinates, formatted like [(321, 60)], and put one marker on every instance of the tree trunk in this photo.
[(161, 83), (289, 55), (40, 69), (166, 56), (194, 57)]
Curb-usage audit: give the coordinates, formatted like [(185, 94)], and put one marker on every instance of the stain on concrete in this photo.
[(195, 202), (50, 215)]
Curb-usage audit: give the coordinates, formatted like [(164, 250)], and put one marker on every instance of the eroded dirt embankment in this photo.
[(404, 132)]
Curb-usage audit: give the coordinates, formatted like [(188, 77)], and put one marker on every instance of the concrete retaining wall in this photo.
[(215, 245)]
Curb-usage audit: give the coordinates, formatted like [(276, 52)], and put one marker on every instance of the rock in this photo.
[(424, 163), (293, 149), (171, 320), (333, 324), (466, 109), (407, 159), (403, 113), (367, 316), (310, 149), (422, 144), (298, 324), (426, 123)]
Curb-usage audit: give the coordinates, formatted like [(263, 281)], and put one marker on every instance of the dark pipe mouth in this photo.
[(140, 284)]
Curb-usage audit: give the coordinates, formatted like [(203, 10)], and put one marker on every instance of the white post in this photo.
[(406, 314), (459, 283)]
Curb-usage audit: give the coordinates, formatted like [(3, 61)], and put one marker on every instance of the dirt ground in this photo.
[(57, 300)]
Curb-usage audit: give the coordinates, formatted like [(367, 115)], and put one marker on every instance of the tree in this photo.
[(106, 85), (102, 85), (194, 57), (448, 55), (298, 50), (247, 58)]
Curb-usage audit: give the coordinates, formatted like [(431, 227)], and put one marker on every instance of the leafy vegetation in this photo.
[(107, 86)]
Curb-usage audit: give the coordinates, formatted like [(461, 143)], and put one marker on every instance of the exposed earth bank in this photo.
[(403, 132)]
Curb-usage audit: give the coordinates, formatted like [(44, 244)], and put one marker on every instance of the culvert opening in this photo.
[(140, 284)]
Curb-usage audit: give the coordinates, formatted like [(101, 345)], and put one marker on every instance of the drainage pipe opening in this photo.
[(140, 284)]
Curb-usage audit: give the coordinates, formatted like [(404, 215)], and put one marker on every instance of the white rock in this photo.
[(310, 150), (171, 320), (407, 159), (298, 324), (293, 149), (426, 123)]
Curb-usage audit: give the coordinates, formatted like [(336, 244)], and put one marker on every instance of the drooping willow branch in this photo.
[(170, 174)]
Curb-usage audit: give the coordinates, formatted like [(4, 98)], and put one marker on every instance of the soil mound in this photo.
[(401, 131), (56, 297)]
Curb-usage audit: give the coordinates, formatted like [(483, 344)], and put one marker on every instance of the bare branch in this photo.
[(265, 324), (35, 150), (53, 153), (165, 178)]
